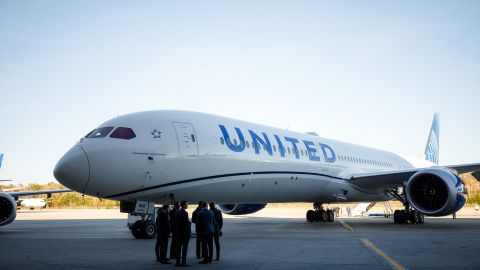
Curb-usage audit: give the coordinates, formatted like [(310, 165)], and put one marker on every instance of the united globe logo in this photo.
[(432, 152)]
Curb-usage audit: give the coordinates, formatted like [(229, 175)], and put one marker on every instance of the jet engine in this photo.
[(8, 209), (240, 209), (436, 192)]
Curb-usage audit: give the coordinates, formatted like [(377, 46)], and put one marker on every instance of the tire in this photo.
[(400, 217), (422, 218), (317, 216), (413, 217), (330, 216), (403, 217), (396, 216), (138, 230), (149, 230), (310, 216), (323, 215)]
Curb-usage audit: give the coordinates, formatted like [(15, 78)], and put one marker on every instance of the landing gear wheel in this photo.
[(396, 216), (323, 215), (399, 216), (150, 230), (310, 216), (138, 230), (330, 216), (422, 218), (414, 217)]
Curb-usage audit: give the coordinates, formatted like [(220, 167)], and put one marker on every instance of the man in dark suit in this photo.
[(163, 232), (198, 240), (218, 228), (206, 228), (183, 233), (173, 227)]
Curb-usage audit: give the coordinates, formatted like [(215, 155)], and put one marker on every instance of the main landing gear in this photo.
[(409, 214), (320, 214)]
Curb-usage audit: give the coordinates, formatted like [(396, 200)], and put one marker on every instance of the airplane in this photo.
[(163, 156), (32, 203), (10, 200)]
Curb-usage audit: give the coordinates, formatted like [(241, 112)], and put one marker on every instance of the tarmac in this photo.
[(99, 239)]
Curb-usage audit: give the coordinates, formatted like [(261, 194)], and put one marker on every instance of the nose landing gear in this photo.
[(319, 214), (141, 217), (144, 229)]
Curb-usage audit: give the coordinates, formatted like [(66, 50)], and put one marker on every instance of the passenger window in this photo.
[(222, 141), (99, 132), (274, 149), (248, 144), (235, 141), (288, 149), (123, 133)]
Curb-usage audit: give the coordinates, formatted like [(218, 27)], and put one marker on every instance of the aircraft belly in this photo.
[(240, 181)]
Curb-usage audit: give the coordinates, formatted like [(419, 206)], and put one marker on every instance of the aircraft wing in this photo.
[(386, 180), (38, 192)]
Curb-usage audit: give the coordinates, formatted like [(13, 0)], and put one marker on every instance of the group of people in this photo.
[(175, 221)]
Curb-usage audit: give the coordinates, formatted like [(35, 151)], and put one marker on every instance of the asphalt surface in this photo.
[(249, 243)]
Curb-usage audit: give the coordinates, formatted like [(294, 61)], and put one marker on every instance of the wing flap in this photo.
[(38, 192), (465, 168)]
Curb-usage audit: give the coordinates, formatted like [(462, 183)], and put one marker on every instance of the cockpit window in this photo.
[(123, 133), (100, 132)]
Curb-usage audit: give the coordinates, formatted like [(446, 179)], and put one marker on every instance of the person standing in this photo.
[(206, 228), (183, 233), (163, 232), (198, 239), (218, 228), (173, 245)]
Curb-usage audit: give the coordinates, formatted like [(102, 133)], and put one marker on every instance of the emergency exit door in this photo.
[(187, 139)]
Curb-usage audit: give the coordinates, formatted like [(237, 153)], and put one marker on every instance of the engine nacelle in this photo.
[(8, 209), (436, 192), (240, 209)]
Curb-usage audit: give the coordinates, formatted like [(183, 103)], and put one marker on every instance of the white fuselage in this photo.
[(195, 156)]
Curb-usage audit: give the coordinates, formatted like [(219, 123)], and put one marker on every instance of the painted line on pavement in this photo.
[(390, 261), (344, 224)]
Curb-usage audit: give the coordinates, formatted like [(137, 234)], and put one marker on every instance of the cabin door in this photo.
[(187, 139)]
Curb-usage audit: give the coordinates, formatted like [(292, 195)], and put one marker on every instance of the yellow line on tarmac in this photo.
[(393, 263), (345, 225)]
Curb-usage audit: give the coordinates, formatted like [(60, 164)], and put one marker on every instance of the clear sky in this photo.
[(367, 72)]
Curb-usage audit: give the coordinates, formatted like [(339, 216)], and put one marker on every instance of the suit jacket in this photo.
[(194, 218), (218, 219), (182, 223), (205, 221), (172, 215), (163, 223)]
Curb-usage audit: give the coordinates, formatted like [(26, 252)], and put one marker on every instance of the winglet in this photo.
[(433, 143), (1, 159)]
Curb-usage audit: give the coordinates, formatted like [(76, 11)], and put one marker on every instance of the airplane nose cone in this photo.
[(73, 170)]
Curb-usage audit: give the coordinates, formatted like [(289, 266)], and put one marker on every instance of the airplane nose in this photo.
[(73, 169)]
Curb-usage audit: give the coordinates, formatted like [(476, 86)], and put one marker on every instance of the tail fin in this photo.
[(1, 159), (433, 143)]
